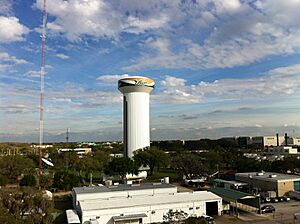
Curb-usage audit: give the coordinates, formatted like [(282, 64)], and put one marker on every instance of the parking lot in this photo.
[(284, 214)]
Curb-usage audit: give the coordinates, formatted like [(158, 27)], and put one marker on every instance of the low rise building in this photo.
[(283, 150), (267, 181), (145, 203), (80, 151)]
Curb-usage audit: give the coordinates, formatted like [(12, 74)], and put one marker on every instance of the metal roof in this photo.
[(231, 195), (121, 187), (235, 183), (148, 200), (269, 176), (129, 217), (72, 217)]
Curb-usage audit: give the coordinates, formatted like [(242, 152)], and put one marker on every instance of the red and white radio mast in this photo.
[(43, 36)]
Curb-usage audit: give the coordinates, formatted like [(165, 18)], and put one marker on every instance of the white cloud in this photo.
[(110, 79), (4, 67), (8, 61), (279, 82), (33, 73), (254, 36), (11, 30), (175, 91), (62, 56), (173, 81), (96, 18), (4, 56), (6, 7)]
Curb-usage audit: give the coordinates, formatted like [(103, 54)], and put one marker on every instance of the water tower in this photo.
[(136, 125)]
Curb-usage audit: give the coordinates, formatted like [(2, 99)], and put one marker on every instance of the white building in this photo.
[(296, 141), (136, 96), (283, 150), (147, 203), (80, 151), (272, 140)]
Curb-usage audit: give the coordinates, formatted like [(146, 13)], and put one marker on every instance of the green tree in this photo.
[(45, 181), (27, 206), (195, 220), (3, 180), (13, 166), (152, 157), (28, 180), (190, 165), (175, 216), (94, 162), (66, 180), (122, 166)]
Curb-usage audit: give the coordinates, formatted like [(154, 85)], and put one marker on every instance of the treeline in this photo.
[(190, 145)]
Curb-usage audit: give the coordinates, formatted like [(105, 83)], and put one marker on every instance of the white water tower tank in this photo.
[(136, 124)]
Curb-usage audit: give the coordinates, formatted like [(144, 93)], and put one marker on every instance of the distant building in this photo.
[(145, 203), (80, 151), (271, 141), (42, 146), (243, 141), (283, 150), (267, 181), (296, 141)]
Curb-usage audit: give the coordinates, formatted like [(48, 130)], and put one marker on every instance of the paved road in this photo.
[(284, 215)]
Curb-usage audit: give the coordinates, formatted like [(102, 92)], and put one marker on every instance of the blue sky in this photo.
[(222, 68)]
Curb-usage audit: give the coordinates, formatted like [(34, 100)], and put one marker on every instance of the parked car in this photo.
[(267, 209), (286, 198), (265, 199), (280, 199), (208, 219), (274, 200)]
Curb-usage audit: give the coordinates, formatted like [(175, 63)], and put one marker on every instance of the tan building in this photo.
[(267, 181), (271, 140), (296, 141)]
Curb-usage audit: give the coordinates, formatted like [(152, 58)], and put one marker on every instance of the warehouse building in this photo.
[(145, 203), (266, 181)]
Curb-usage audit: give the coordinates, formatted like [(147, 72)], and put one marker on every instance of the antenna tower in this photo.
[(67, 136), (43, 36)]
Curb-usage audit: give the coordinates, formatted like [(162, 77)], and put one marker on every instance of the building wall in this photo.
[(263, 185), (281, 188), (296, 141), (154, 213), (283, 150), (285, 187), (271, 140)]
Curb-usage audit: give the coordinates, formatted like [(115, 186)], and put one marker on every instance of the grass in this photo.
[(158, 175)]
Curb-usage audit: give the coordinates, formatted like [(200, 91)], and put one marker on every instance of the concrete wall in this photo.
[(263, 185), (285, 187), (281, 188), (154, 213)]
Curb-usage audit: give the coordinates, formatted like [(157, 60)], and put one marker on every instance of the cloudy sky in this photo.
[(222, 68)]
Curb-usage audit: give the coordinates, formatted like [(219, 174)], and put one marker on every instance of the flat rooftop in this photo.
[(113, 203), (120, 187), (232, 182), (270, 176)]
